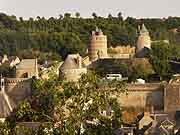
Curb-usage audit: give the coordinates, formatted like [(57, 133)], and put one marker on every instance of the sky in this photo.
[(49, 8)]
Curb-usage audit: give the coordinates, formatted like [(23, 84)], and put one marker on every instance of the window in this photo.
[(24, 75)]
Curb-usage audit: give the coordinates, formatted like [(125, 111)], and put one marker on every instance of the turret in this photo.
[(98, 45), (144, 40)]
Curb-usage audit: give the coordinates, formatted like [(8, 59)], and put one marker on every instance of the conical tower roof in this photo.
[(144, 29), (69, 63)]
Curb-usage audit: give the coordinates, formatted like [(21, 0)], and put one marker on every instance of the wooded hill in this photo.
[(54, 38)]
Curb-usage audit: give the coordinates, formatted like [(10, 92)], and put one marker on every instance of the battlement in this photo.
[(16, 80), (145, 87), (97, 32)]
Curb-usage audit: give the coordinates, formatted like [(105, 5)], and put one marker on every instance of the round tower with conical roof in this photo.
[(98, 45), (144, 40)]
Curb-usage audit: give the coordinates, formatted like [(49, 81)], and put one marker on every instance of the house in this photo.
[(27, 68)]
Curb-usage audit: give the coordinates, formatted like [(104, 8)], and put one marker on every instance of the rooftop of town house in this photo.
[(27, 63)]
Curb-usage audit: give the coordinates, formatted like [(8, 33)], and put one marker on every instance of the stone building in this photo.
[(72, 68), (121, 52), (27, 68), (149, 96), (144, 42), (97, 48), (98, 45), (12, 91)]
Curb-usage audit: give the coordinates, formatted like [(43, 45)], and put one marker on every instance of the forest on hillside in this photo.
[(53, 38)]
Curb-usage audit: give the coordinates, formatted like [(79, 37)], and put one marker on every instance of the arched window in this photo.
[(24, 75)]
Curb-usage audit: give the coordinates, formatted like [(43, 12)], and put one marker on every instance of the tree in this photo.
[(94, 15), (78, 107), (120, 16), (176, 51), (21, 19), (67, 15), (19, 36), (60, 17), (77, 14), (140, 69), (6, 70), (110, 16), (160, 55), (38, 18)]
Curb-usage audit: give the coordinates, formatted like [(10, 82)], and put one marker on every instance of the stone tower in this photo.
[(98, 45), (144, 40), (72, 68)]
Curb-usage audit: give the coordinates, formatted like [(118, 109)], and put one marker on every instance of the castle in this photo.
[(98, 50), (14, 90), (154, 97)]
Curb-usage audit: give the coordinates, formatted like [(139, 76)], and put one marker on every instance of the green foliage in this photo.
[(142, 69), (138, 71), (176, 51), (69, 106), (46, 96), (66, 34), (160, 56), (5, 128), (25, 112), (102, 68), (6, 70)]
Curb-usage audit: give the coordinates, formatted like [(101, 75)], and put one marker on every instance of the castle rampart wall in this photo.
[(172, 98), (143, 96), (73, 74), (18, 88)]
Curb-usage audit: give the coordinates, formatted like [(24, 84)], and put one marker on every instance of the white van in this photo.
[(114, 76)]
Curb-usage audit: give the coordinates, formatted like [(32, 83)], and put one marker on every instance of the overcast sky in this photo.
[(134, 8)]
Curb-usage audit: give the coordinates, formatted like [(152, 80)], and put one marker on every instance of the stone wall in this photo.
[(172, 98), (18, 88), (122, 50), (143, 96), (73, 74)]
